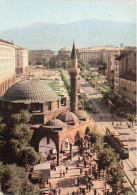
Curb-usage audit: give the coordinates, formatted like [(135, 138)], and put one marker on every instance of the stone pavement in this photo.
[(67, 183)]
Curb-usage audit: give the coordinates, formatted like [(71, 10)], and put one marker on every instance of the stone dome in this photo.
[(64, 49), (56, 123), (68, 117), (81, 114), (30, 91)]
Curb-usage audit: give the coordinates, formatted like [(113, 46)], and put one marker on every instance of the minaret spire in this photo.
[(73, 53), (73, 71)]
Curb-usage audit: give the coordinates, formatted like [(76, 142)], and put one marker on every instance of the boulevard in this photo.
[(128, 134)]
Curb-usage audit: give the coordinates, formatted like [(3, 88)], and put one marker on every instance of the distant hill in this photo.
[(85, 33)]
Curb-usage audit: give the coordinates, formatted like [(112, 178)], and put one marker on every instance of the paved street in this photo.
[(128, 134)]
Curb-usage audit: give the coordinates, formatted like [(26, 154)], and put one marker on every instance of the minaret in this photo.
[(73, 72)]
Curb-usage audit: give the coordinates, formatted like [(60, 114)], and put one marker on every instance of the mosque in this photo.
[(57, 126)]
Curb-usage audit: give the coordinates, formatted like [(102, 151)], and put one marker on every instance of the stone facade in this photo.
[(97, 53), (64, 54), (7, 65), (125, 77), (37, 56), (21, 56)]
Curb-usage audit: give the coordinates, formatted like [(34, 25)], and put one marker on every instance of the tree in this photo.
[(131, 117), (28, 156), (46, 61), (115, 179), (14, 180), (15, 140), (106, 157)]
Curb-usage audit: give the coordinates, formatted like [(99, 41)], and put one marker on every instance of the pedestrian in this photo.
[(80, 189), (89, 187), (101, 117), (107, 192), (76, 182), (58, 184), (77, 164), (95, 191), (66, 169), (89, 171), (84, 163), (79, 158), (63, 173), (81, 171), (59, 190)]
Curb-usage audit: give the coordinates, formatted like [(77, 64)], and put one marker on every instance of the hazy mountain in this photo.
[(85, 33)]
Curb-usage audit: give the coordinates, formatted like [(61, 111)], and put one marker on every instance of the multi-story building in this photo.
[(110, 69), (89, 54), (7, 65), (97, 53), (37, 56), (64, 54), (125, 78), (21, 56)]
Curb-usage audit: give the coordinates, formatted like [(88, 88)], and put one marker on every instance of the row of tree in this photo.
[(107, 161), (66, 82), (51, 63), (16, 154)]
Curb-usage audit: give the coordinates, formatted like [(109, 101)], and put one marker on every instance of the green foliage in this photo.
[(14, 180), (46, 61), (66, 82), (22, 117), (28, 156), (131, 117), (115, 179), (106, 157), (14, 138), (83, 65), (62, 64)]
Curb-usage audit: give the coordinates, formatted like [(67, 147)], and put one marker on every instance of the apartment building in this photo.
[(125, 78), (7, 65), (97, 53), (21, 62), (37, 56)]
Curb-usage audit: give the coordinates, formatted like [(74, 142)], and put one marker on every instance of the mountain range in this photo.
[(85, 33)]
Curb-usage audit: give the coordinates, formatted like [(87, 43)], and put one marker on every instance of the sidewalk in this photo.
[(67, 183)]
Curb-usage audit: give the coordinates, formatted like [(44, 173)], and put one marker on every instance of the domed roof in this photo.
[(30, 91), (56, 123), (81, 114), (68, 117), (64, 49)]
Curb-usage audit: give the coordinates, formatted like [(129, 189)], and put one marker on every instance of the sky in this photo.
[(19, 13)]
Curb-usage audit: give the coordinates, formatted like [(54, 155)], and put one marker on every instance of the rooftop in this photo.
[(30, 91)]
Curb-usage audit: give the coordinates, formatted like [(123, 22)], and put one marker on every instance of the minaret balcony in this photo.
[(73, 70)]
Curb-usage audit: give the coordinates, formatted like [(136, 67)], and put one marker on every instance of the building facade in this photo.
[(64, 54), (98, 54), (7, 65), (37, 56), (125, 78), (21, 56)]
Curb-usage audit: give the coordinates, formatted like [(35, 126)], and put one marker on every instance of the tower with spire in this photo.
[(73, 72)]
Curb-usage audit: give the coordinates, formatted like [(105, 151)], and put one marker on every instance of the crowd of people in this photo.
[(88, 173)]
